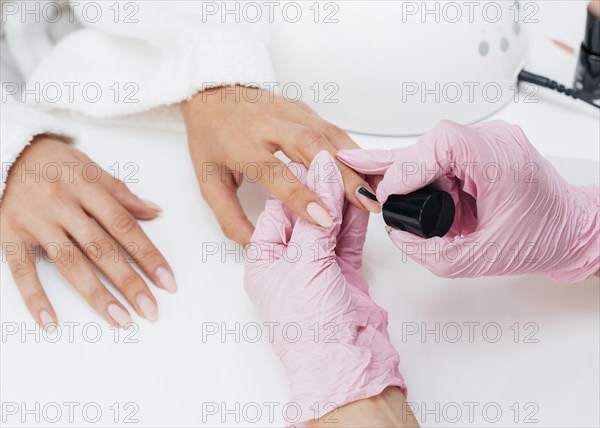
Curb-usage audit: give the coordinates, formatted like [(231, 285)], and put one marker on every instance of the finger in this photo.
[(275, 224), (305, 142), (351, 238), (282, 182), (106, 255), (19, 256), (124, 229), (352, 181), (71, 263), (137, 207), (324, 179), (219, 192)]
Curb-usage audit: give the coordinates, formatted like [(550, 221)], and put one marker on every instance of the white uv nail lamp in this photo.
[(398, 67)]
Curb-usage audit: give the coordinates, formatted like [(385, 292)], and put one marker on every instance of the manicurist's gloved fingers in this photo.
[(438, 156), (369, 162), (324, 180), (351, 239), (449, 257), (220, 192)]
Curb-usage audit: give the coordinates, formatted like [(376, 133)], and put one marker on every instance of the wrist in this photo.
[(208, 96)]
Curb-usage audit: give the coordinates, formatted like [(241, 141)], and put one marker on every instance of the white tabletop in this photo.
[(542, 371)]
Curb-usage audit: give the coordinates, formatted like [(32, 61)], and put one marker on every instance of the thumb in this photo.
[(444, 257), (370, 162)]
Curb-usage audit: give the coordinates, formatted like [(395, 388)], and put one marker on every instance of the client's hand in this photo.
[(307, 280), (56, 198), (233, 132), (514, 213)]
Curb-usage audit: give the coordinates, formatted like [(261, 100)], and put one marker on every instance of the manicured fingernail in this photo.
[(151, 205), (166, 279), (147, 307), (366, 199), (48, 322), (118, 315), (318, 214)]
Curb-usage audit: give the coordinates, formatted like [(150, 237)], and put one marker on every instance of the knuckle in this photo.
[(229, 229), (148, 255), (335, 133), (310, 138), (129, 282), (123, 222), (297, 193), (34, 299), (97, 296), (348, 173), (98, 246), (67, 256), (19, 269), (117, 186)]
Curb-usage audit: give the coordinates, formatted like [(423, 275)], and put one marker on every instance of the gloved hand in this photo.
[(514, 213), (306, 279)]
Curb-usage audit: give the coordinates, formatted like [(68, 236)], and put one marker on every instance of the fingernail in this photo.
[(166, 279), (48, 322), (118, 315), (147, 307), (366, 199), (151, 205), (318, 214)]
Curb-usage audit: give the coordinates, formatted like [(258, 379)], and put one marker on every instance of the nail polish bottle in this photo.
[(427, 212), (587, 74)]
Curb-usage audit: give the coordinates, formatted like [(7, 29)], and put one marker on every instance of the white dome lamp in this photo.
[(397, 68)]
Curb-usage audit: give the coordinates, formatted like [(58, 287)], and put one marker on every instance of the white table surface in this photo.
[(171, 372)]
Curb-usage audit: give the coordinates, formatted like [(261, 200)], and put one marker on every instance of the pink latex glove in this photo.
[(514, 213), (307, 279)]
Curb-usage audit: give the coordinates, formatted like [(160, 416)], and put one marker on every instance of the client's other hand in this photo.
[(306, 279)]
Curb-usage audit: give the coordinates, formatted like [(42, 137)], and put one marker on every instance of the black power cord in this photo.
[(526, 76)]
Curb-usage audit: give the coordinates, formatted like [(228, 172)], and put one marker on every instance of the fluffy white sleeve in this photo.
[(19, 124), (167, 53)]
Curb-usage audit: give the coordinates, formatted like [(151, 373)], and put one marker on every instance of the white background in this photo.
[(172, 370)]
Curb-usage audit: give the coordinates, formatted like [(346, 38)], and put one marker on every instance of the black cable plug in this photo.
[(544, 82)]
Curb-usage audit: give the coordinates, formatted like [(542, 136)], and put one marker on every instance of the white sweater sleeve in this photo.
[(173, 51), (19, 124)]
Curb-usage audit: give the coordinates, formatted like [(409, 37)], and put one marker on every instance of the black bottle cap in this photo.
[(426, 212)]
